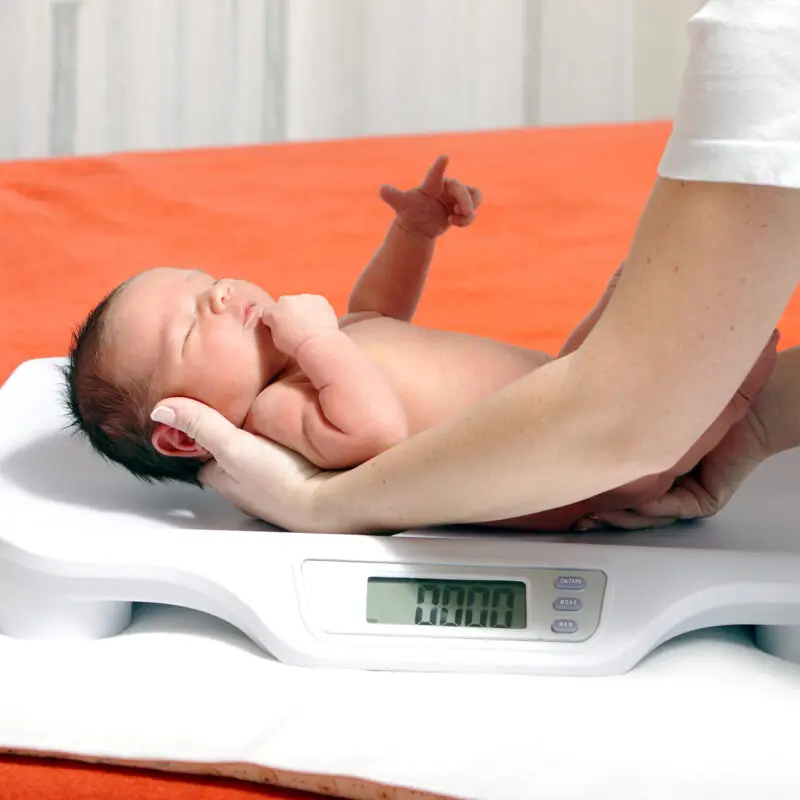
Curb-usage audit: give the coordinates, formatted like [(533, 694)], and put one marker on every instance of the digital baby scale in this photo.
[(81, 541)]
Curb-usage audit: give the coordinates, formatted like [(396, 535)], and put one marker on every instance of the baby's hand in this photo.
[(295, 319), (436, 204)]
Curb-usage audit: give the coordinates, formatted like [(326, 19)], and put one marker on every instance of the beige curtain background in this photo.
[(93, 76)]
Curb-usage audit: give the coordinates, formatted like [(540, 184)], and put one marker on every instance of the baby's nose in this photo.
[(218, 299)]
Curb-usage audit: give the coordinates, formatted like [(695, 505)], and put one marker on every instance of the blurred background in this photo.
[(98, 76)]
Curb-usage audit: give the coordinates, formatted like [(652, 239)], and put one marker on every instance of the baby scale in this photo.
[(81, 541)]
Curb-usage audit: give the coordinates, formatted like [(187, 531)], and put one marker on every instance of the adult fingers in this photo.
[(628, 520), (205, 425), (687, 500)]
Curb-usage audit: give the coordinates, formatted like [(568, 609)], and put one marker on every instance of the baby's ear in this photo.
[(176, 444)]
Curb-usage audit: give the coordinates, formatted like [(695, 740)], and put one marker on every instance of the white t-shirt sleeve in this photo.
[(738, 114)]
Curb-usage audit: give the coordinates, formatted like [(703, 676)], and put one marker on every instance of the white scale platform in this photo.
[(81, 540)]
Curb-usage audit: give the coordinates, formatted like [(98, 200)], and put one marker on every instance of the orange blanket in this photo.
[(560, 207)]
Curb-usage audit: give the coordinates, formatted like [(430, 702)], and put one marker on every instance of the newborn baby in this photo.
[(337, 391)]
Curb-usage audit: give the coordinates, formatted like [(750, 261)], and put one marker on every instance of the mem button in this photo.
[(570, 582), (564, 626)]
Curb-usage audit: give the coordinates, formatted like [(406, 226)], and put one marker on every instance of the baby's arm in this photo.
[(346, 410), (392, 282)]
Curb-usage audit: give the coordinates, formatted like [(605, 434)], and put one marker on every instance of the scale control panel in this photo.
[(424, 600)]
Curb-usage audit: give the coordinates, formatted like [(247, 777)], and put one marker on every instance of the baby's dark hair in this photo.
[(111, 410)]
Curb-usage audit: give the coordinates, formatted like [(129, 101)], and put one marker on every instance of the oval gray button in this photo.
[(567, 604), (564, 626), (570, 582)]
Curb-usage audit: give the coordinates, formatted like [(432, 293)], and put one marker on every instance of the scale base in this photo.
[(76, 619), (30, 609), (782, 641)]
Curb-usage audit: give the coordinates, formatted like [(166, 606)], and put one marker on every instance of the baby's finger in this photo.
[(458, 193), (462, 201), (476, 196), (457, 221), (432, 182), (392, 197)]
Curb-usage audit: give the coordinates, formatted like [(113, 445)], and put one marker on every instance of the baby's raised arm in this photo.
[(342, 410), (392, 282)]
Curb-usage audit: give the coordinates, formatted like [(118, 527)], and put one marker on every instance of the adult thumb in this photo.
[(205, 425)]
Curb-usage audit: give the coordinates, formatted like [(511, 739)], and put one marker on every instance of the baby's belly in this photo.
[(440, 374), (430, 398)]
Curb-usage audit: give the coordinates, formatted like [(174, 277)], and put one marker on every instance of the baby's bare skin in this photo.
[(436, 374)]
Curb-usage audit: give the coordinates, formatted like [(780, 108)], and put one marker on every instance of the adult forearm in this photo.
[(778, 406), (393, 281), (530, 447)]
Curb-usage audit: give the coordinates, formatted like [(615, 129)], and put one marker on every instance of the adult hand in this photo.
[(704, 480), (707, 489), (258, 476)]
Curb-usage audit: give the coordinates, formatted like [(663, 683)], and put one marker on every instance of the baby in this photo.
[(337, 391)]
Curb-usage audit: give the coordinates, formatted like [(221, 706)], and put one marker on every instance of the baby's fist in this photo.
[(295, 319), (436, 204)]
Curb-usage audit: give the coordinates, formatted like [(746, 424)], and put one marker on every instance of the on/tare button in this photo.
[(572, 582)]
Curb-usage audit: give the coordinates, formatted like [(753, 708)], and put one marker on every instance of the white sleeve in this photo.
[(738, 115)]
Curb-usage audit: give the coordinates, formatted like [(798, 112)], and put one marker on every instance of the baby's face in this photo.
[(195, 336)]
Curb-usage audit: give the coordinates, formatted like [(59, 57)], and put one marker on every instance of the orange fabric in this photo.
[(51, 779), (559, 211), (560, 207)]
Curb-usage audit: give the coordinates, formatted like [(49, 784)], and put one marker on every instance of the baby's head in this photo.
[(167, 332)]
